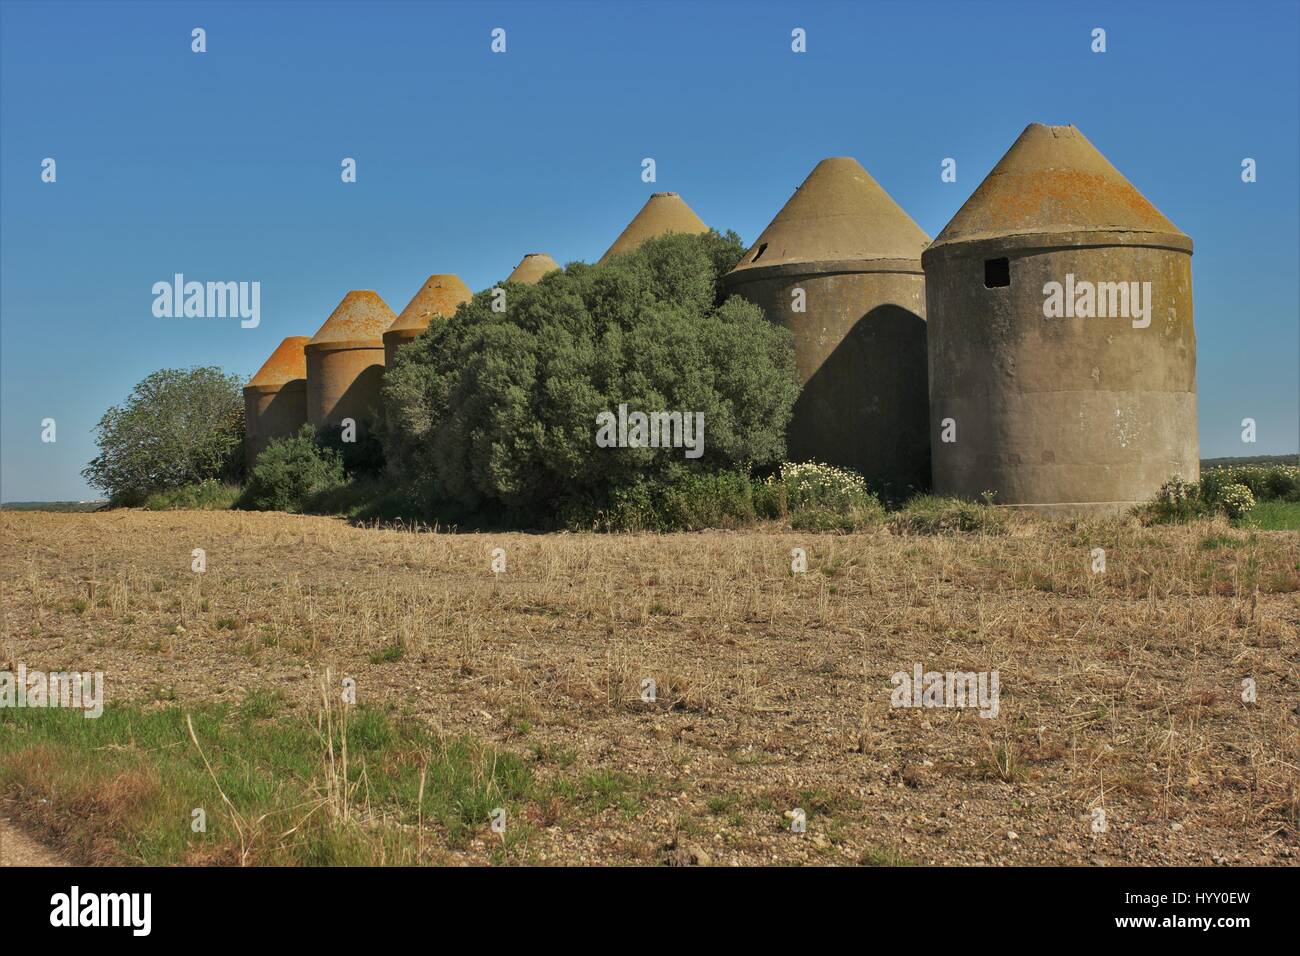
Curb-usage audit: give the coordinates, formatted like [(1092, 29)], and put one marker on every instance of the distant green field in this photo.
[(1252, 460), (1274, 516)]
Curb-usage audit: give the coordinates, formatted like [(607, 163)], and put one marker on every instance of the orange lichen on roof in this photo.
[(287, 363), (440, 295), (663, 213), (362, 316), (532, 267), (838, 214), (1053, 180)]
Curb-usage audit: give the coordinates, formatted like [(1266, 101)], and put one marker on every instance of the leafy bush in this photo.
[(817, 518), (809, 497), (698, 501), (1212, 482), (930, 514), (207, 495), (688, 502), (362, 458), (291, 470), (368, 498), (497, 412), (178, 427), (816, 497), (1236, 501), (1216, 493), (1265, 482), (1177, 500), (805, 484)]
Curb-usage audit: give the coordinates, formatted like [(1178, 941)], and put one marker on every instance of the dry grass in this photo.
[(1120, 691)]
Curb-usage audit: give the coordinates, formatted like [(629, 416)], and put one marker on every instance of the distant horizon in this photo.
[(225, 165)]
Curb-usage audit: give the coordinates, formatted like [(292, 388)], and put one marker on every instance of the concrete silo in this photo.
[(275, 399), (840, 266), (663, 213), (345, 360), (439, 296), (1062, 353), (532, 267)]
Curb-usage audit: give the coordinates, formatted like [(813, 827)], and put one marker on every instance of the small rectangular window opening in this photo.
[(997, 273), (761, 249)]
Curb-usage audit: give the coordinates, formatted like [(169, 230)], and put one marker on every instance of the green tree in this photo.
[(177, 427), (498, 410)]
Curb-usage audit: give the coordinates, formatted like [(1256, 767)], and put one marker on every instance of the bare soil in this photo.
[(19, 849), (1121, 692)]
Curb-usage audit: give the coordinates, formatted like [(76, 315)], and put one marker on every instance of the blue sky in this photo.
[(225, 165)]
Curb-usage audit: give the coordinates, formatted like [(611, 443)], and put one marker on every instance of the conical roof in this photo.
[(1051, 184), (287, 363), (360, 319), (439, 295), (839, 215), (663, 213), (532, 267)]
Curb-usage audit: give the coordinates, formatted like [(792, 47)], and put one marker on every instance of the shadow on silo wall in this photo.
[(866, 407), (361, 398), (273, 415), (364, 455)]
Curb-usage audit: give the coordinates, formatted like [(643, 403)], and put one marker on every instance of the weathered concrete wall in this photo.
[(343, 383), (271, 412), (860, 350), (1067, 415)]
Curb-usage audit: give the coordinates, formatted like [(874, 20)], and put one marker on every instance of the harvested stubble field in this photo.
[(1120, 691)]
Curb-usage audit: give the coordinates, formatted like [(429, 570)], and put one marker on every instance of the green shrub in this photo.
[(931, 514), (1236, 501), (497, 411), (178, 427), (809, 497), (290, 471), (1216, 493), (1177, 500), (816, 497), (818, 518), (1282, 484), (689, 502), (809, 484), (699, 501), (363, 458), (207, 495), (1265, 482), (369, 498)]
